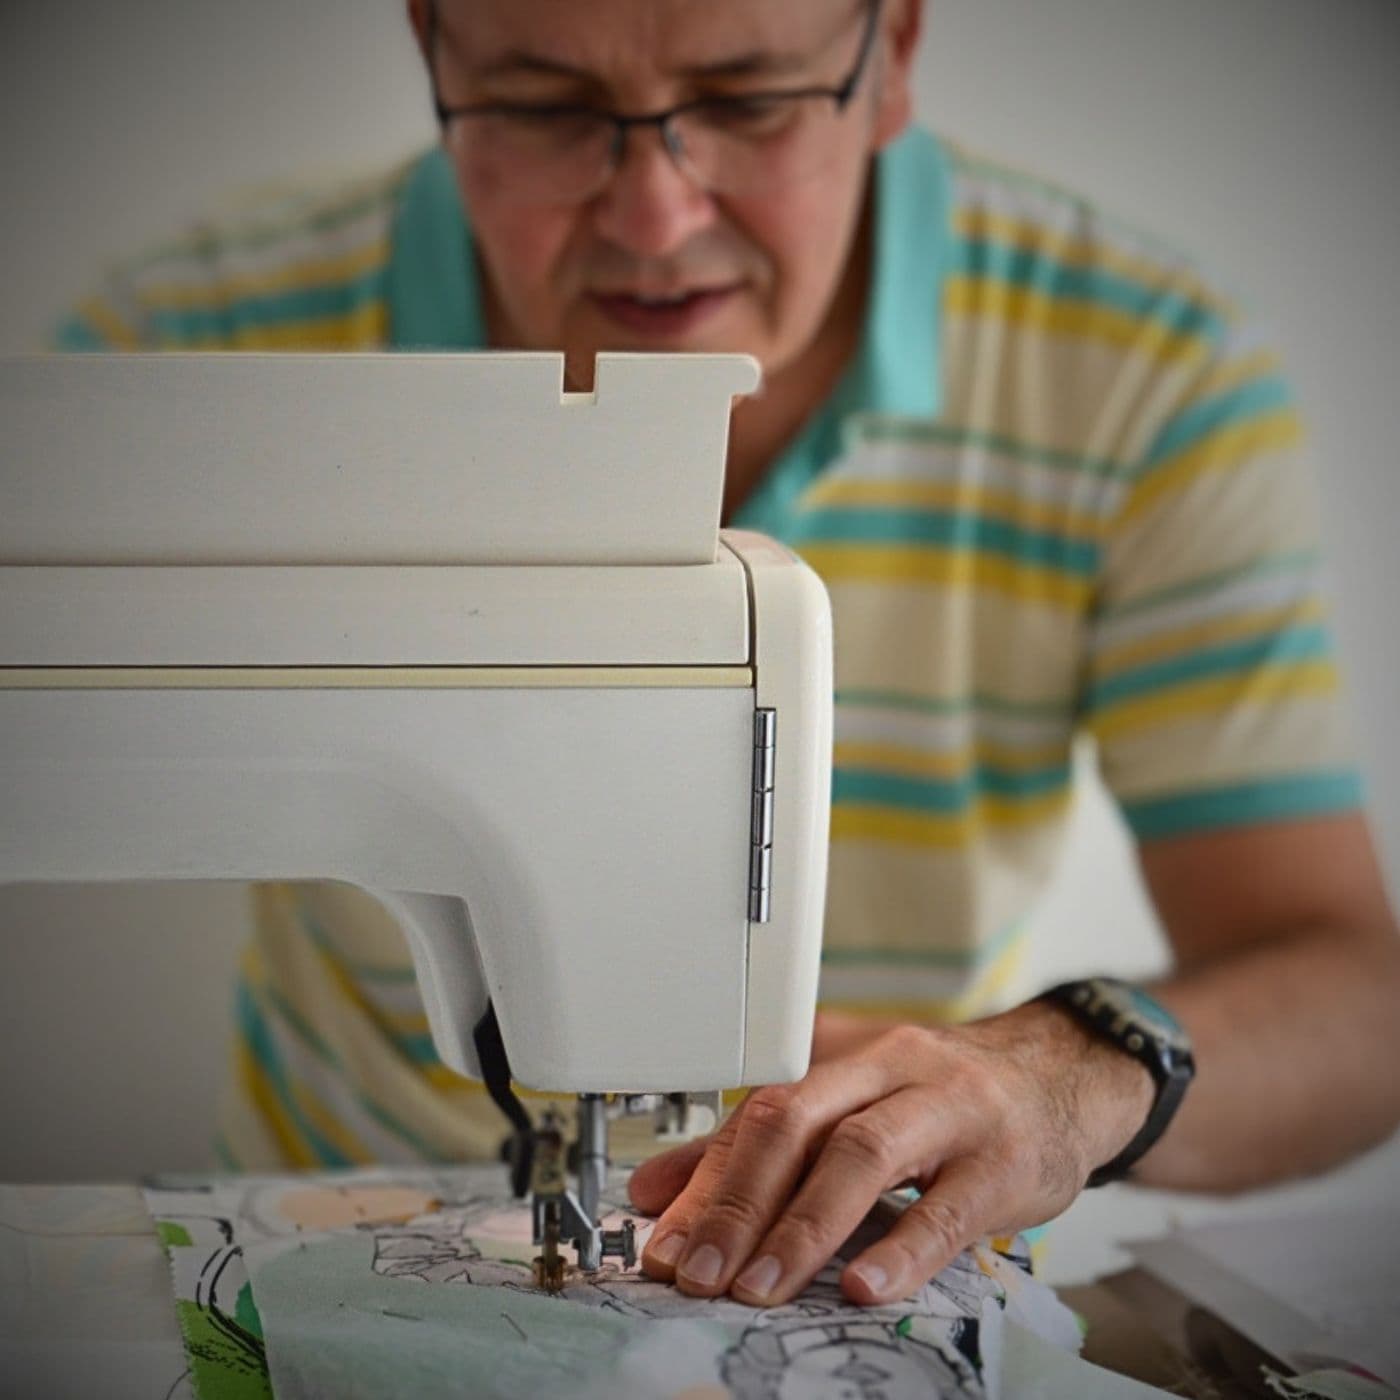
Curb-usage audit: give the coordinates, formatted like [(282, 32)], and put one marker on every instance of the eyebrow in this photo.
[(757, 62), (515, 60), (742, 65)]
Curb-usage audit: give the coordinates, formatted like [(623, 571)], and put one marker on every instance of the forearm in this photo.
[(1297, 1044)]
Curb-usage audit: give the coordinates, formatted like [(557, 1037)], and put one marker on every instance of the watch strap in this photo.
[(1128, 1018), (1168, 1100)]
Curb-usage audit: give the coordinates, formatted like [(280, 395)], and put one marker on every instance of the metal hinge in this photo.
[(765, 726)]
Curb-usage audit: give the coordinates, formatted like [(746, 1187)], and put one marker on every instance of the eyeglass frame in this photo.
[(841, 95)]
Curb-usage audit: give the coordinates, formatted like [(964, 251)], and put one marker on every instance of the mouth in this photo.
[(664, 314)]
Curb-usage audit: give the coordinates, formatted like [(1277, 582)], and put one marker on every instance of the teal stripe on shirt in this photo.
[(1294, 644), (75, 334), (386, 1120), (1290, 797), (1036, 270), (227, 1158), (279, 309), (944, 529), (1193, 425), (417, 1047), (361, 971), (256, 1032), (868, 787)]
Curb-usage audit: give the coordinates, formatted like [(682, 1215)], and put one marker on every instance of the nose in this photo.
[(650, 206)]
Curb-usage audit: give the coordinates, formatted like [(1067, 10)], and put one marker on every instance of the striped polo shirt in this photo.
[(1057, 493)]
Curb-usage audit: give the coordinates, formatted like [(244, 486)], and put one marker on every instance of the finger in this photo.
[(655, 1183), (669, 1235), (865, 1153), (956, 1211), (783, 1129)]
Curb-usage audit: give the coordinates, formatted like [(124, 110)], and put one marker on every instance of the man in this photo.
[(1052, 486)]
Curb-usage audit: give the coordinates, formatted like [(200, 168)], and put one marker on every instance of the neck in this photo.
[(766, 422)]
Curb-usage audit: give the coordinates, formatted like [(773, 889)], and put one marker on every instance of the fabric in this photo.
[(85, 1297), (1058, 492), (419, 1282)]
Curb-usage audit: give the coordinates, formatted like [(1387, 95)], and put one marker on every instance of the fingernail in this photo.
[(667, 1249), (761, 1277), (703, 1267), (872, 1276)]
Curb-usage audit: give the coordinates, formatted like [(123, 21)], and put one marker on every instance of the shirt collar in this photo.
[(433, 294), (895, 371)]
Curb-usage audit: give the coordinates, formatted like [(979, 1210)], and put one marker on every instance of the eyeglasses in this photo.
[(563, 153)]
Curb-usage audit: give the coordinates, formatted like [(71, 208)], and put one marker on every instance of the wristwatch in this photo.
[(1127, 1017)]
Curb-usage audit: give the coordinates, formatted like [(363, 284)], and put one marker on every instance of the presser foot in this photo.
[(548, 1267), (562, 1217)]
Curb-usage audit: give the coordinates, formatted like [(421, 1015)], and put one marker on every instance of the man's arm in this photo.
[(1289, 984)]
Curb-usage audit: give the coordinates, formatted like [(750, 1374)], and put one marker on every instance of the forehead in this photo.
[(621, 40)]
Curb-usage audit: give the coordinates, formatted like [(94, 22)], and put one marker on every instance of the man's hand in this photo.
[(997, 1123)]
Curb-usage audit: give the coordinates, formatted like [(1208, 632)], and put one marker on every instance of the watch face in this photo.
[(1125, 1010)]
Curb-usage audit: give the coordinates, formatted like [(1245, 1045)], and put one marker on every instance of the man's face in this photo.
[(649, 259)]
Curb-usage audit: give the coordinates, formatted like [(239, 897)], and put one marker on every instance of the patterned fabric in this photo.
[(1057, 493)]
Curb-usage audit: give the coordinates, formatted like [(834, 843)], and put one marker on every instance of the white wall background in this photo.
[(1260, 133)]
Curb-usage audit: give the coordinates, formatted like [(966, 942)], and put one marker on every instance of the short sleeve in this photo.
[(1212, 688)]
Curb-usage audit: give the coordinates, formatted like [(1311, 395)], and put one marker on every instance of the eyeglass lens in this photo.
[(726, 147)]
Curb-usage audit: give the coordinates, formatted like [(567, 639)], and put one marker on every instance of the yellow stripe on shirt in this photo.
[(1074, 250), (103, 319), (976, 296), (957, 496), (295, 277), (929, 763), (365, 326), (252, 1080), (1266, 686), (946, 568), (852, 822), (1224, 450)]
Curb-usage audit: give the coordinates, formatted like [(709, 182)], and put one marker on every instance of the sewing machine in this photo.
[(429, 625)]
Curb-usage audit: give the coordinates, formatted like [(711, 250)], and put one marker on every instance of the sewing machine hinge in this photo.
[(765, 725)]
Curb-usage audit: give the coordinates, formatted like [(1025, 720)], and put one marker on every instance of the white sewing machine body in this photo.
[(345, 618)]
